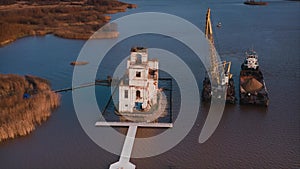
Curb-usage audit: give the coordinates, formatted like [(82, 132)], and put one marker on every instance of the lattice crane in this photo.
[(216, 67)]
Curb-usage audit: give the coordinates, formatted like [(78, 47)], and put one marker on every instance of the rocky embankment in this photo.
[(77, 19), (25, 102)]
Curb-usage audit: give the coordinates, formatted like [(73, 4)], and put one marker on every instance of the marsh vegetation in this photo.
[(77, 19), (25, 102)]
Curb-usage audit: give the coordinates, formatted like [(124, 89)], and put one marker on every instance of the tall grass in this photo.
[(77, 19), (18, 115)]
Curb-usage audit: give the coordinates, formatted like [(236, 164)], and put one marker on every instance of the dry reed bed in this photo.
[(77, 19), (18, 115)]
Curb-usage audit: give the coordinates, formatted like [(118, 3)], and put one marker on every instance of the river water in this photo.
[(247, 136)]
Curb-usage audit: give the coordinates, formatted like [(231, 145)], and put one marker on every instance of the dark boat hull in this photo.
[(230, 94), (206, 91), (255, 3), (258, 96)]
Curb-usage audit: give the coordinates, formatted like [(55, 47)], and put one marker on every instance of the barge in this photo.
[(253, 89), (252, 2)]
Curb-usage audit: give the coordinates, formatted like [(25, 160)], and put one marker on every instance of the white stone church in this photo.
[(139, 88)]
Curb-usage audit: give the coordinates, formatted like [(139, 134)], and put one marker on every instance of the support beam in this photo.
[(123, 162), (125, 124)]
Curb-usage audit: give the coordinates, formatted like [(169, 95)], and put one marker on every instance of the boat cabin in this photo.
[(251, 61)]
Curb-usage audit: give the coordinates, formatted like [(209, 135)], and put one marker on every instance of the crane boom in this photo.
[(219, 71), (208, 27), (214, 67)]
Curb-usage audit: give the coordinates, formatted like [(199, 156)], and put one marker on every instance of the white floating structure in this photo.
[(139, 88), (123, 162), (138, 93)]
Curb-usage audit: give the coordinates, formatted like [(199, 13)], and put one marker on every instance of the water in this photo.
[(247, 136)]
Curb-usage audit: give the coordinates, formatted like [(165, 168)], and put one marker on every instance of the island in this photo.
[(26, 101), (77, 19)]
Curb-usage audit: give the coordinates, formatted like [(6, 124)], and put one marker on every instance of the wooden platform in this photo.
[(126, 124)]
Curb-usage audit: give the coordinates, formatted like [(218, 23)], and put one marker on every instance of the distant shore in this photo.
[(67, 19)]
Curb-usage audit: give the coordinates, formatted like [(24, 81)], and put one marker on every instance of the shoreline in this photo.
[(71, 20), (111, 35)]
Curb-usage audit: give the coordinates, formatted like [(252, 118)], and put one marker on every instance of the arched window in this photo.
[(138, 94), (139, 59)]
